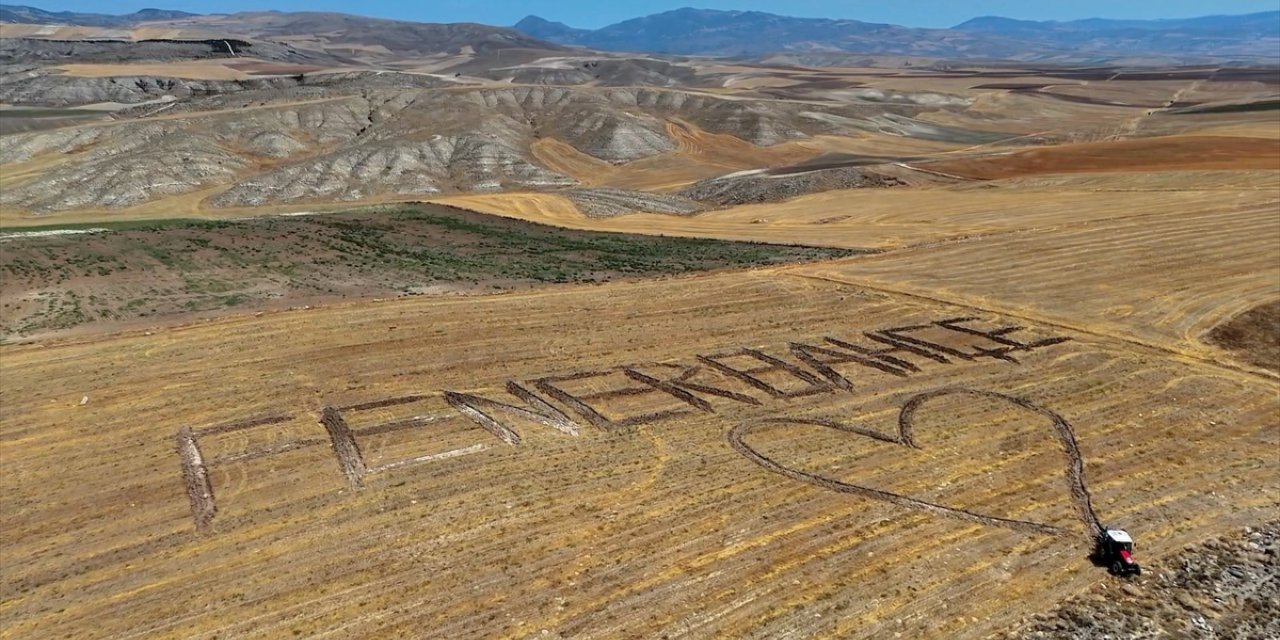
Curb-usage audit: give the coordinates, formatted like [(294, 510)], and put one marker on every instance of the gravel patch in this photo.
[(754, 187), (1224, 589), (607, 203)]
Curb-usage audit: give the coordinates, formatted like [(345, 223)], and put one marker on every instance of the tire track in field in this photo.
[(996, 311)]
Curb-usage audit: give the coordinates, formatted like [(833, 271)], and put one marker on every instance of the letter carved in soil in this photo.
[(904, 437)]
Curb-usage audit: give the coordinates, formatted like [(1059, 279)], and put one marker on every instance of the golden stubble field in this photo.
[(908, 444), (898, 218), (895, 469)]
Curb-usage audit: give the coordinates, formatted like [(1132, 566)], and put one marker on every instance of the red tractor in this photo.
[(1115, 550)]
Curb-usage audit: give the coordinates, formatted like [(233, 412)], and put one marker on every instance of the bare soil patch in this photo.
[(198, 70), (260, 68), (1253, 335), (23, 120), (1225, 588), (1152, 154)]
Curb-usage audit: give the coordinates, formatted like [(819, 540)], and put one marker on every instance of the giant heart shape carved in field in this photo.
[(1061, 430)]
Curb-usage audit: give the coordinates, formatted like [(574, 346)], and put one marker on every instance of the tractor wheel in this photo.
[(1117, 568), (1137, 570)]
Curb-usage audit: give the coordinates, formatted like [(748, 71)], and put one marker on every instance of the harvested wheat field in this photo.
[(714, 351), (892, 218), (203, 70), (729, 455), (1173, 153)]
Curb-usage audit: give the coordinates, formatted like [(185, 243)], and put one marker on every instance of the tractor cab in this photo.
[(1115, 550)]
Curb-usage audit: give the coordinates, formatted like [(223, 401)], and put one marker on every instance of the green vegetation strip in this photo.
[(1261, 105), (166, 267), (123, 225)]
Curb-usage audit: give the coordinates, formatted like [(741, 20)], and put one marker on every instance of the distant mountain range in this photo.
[(1265, 24), (708, 32), (1250, 34), (32, 15), (1253, 37)]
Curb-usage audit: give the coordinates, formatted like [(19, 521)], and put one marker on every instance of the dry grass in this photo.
[(56, 32), (664, 530), (62, 32), (1268, 129), (1148, 93), (193, 70), (1235, 181), (1022, 113), (1162, 278), (887, 218), (1173, 153), (1257, 124)]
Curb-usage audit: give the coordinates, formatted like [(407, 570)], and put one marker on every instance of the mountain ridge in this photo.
[(689, 31), (1269, 17), (317, 29), (29, 14), (539, 27), (692, 31)]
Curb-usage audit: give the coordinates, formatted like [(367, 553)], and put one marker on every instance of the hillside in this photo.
[(345, 31), (1242, 35), (690, 31), (548, 30), (711, 32), (31, 15), (336, 33)]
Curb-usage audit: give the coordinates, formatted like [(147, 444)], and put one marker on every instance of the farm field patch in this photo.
[(149, 271)]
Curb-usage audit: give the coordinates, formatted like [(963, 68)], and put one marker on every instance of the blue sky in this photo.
[(597, 13)]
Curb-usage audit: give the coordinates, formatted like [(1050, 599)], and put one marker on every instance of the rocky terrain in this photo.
[(295, 139), (1227, 589), (342, 31), (606, 202), (605, 71), (53, 89), (270, 108), (769, 186)]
